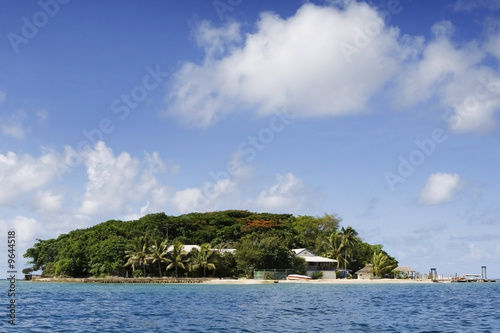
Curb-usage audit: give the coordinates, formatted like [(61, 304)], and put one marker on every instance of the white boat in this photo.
[(298, 277)]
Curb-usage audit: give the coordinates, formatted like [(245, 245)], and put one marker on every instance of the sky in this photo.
[(383, 112)]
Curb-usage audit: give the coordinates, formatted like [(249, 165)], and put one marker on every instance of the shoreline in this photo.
[(164, 280), (321, 281)]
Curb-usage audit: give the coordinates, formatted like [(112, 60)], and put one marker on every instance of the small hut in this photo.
[(405, 271), (365, 273)]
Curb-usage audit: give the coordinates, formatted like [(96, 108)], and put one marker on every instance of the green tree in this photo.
[(176, 257), (265, 251), (139, 255), (107, 256), (158, 252), (350, 239), (335, 248), (42, 253), (72, 259), (381, 264), (313, 231), (202, 258), (65, 267), (249, 254)]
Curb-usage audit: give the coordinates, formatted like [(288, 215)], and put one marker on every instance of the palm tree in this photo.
[(176, 257), (381, 264), (158, 252), (349, 238), (139, 254), (203, 258), (335, 247)]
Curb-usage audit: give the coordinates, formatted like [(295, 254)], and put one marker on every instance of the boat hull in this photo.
[(298, 277)]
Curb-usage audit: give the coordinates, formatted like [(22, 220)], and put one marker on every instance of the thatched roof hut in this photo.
[(410, 272), (365, 272)]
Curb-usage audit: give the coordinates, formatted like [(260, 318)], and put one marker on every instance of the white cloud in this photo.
[(209, 197), (12, 125), (215, 40), (47, 201), (333, 60), (288, 194), (440, 188), (492, 43), (467, 92), (222, 191), (296, 62), (20, 175), (116, 182), (189, 200), (475, 101), (27, 229)]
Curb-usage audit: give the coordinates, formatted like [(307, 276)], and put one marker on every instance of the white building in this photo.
[(318, 264)]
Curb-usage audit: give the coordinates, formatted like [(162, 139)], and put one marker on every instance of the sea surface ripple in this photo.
[(78, 307)]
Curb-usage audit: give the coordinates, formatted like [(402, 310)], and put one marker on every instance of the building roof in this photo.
[(186, 248), (365, 270), (304, 252), (404, 269), (318, 259), (310, 256)]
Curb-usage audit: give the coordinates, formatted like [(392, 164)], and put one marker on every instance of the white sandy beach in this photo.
[(319, 281)]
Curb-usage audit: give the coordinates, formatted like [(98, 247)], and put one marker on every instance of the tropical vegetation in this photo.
[(155, 245)]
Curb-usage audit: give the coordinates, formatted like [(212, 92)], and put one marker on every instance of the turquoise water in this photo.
[(55, 307)]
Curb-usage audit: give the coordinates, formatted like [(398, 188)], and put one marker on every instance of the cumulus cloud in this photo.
[(20, 175), (208, 197), (46, 201), (440, 188), (334, 60), (302, 62), (27, 229), (467, 92), (115, 182), (221, 191), (288, 194)]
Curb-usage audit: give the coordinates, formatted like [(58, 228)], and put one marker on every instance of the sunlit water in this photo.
[(58, 307)]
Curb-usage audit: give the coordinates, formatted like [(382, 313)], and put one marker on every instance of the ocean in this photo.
[(281, 307)]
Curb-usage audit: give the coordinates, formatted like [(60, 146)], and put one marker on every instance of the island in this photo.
[(227, 244)]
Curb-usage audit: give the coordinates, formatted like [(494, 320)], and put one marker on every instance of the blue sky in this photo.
[(383, 112)]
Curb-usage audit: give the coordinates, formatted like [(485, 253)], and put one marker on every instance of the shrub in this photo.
[(317, 275)]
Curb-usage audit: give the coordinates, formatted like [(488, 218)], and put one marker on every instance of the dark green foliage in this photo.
[(226, 265), (262, 250), (314, 231), (43, 252)]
